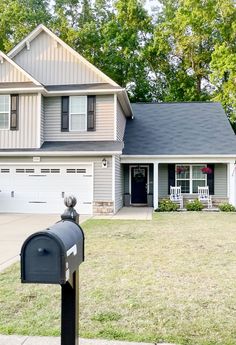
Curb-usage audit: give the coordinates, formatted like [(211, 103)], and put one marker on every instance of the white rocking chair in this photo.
[(176, 196), (204, 196)]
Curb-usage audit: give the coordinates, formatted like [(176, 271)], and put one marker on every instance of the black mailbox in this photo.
[(51, 256)]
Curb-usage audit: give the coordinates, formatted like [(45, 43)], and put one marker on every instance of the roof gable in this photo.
[(10, 72), (53, 62)]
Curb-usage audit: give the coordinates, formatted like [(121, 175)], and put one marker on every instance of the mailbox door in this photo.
[(42, 261)]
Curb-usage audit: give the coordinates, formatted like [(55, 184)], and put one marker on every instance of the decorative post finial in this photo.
[(70, 213)]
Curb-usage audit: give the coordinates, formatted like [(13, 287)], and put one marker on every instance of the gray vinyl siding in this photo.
[(10, 74), (220, 180), (102, 176), (104, 121), (121, 122), (51, 64), (119, 183), (163, 180), (26, 135), (42, 121)]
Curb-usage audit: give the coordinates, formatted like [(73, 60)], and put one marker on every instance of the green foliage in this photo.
[(167, 205), (182, 51), (19, 17), (226, 207), (195, 205)]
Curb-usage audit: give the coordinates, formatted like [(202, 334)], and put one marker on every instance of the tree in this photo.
[(223, 64), (18, 18)]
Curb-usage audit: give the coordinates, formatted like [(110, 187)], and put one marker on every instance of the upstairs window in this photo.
[(78, 113), (4, 111)]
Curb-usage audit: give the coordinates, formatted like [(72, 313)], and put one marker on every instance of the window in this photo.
[(189, 177), (4, 111), (78, 113)]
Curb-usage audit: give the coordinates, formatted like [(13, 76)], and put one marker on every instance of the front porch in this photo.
[(145, 184)]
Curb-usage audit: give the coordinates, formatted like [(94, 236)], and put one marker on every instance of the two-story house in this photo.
[(67, 128)]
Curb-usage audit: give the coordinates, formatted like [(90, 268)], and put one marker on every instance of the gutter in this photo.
[(58, 153)]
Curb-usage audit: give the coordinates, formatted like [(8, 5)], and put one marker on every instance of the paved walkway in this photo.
[(130, 213), (15, 228), (23, 340)]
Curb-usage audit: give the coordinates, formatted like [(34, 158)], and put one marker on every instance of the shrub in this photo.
[(226, 207), (167, 205), (195, 205)]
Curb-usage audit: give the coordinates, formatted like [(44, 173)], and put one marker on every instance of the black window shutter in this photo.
[(91, 113), (65, 113), (14, 113), (171, 176), (210, 179)]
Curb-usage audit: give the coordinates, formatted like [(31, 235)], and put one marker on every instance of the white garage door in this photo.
[(41, 189)]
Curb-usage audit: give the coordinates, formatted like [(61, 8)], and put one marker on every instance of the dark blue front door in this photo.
[(138, 185)]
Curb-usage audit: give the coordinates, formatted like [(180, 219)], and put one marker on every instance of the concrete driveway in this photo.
[(15, 228)]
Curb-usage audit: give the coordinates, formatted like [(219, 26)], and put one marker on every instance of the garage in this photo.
[(41, 189)]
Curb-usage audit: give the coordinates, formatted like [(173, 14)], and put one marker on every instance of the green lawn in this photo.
[(172, 279)]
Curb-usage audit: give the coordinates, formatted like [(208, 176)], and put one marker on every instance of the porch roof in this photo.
[(194, 128)]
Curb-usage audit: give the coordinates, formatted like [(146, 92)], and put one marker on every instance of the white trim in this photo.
[(82, 92), (179, 159), (45, 163), (115, 117), (39, 99), (41, 28), (190, 179), (113, 181), (9, 112), (231, 183), (155, 185), (19, 68), (130, 176), (58, 153), (85, 113), (93, 170), (178, 156)]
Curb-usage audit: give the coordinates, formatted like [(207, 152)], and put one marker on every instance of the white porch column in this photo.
[(155, 185), (232, 183)]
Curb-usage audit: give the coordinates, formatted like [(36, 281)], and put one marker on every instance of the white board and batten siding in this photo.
[(10, 74), (52, 64), (104, 121), (42, 120), (26, 135), (121, 122)]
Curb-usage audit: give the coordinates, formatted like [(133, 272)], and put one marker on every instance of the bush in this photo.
[(195, 205), (226, 207), (167, 205)]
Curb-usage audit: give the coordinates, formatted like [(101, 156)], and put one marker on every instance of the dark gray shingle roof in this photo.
[(179, 129), (80, 146), (74, 87), (18, 85)]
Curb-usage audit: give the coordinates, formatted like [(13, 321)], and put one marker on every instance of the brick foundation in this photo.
[(103, 207)]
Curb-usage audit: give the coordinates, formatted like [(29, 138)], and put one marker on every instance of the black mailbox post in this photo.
[(53, 256)]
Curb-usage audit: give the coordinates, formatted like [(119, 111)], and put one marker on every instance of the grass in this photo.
[(172, 279)]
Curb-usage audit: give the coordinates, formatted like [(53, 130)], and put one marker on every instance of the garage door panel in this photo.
[(41, 189)]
